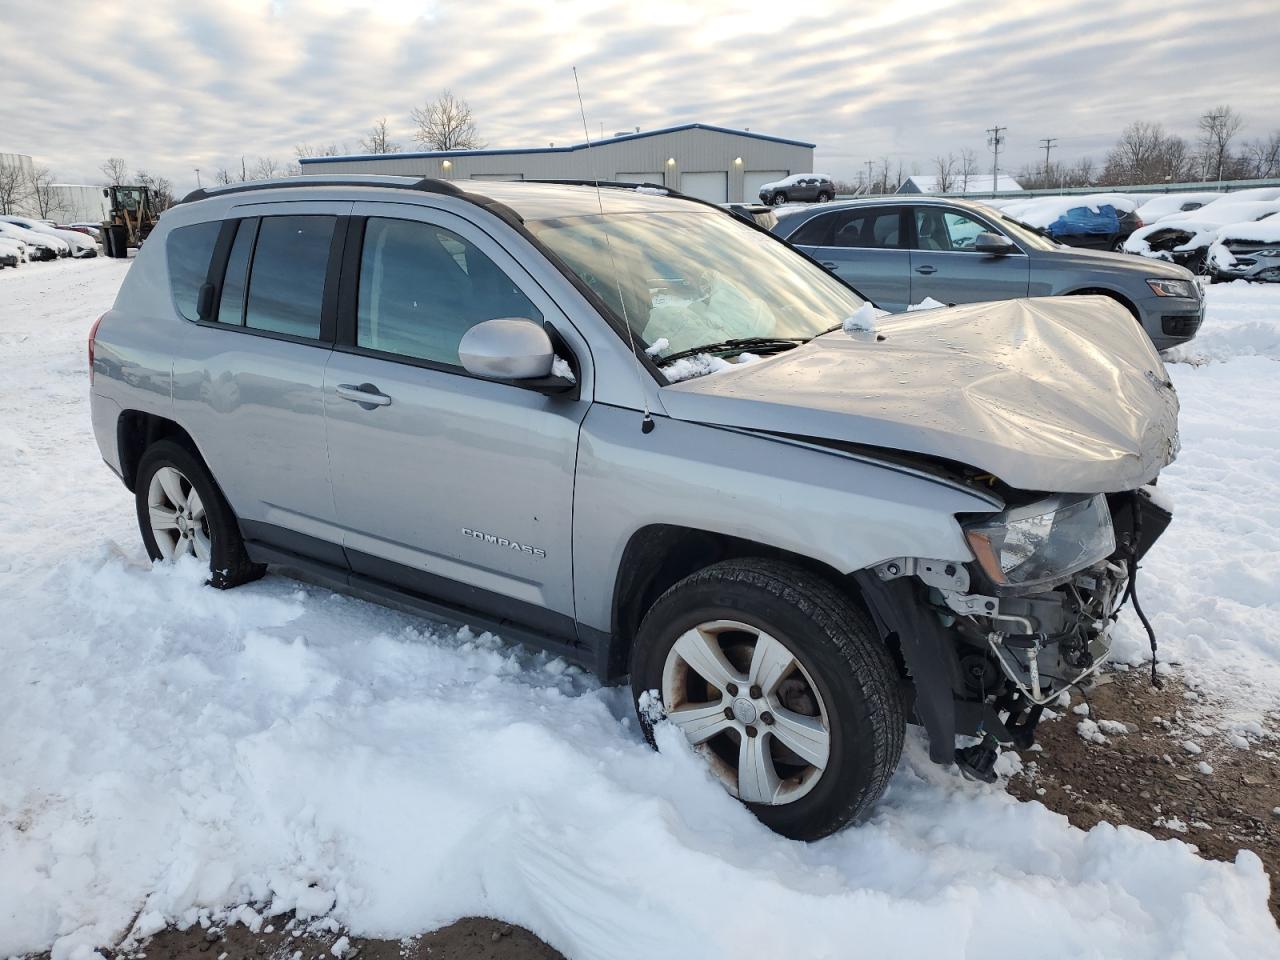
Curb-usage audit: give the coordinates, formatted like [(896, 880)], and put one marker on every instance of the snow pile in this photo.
[(861, 321), (928, 303), (1168, 204), (702, 364), (167, 747)]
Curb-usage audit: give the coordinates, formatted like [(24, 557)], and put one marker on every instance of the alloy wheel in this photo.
[(750, 708), (177, 516)]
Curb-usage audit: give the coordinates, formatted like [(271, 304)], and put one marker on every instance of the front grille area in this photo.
[(1180, 324)]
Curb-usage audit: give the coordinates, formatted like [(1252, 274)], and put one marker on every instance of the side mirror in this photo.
[(509, 348), (993, 244), (106, 192)]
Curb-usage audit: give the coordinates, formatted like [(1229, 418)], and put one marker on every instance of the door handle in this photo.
[(364, 394), (926, 269), (829, 264)]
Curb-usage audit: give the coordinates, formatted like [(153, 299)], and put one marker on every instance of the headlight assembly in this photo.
[(1173, 288), (1044, 543)]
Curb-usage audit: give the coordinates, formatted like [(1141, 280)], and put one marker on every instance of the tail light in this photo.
[(93, 333)]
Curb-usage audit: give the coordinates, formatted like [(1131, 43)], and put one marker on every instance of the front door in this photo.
[(864, 246), (945, 266), (454, 487)]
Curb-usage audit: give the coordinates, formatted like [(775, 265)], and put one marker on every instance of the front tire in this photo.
[(783, 685), (779, 198), (182, 512)]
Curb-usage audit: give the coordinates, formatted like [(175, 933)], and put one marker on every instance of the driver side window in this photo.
[(941, 229), (422, 287)]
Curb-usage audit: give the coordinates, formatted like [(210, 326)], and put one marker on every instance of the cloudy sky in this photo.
[(171, 86)]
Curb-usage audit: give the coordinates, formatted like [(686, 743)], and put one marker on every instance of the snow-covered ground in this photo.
[(166, 748)]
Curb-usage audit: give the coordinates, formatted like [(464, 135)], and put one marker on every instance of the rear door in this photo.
[(451, 486), (866, 247), (248, 379), (945, 266)]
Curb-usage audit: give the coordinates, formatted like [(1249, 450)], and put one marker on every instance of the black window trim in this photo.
[(328, 299)]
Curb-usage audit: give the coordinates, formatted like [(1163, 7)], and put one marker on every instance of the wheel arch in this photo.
[(136, 430), (659, 555), (1116, 295)]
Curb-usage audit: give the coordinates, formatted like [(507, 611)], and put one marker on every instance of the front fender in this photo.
[(827, 505)]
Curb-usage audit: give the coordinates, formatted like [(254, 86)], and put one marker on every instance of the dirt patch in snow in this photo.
[(1180, 771), (472, 938)]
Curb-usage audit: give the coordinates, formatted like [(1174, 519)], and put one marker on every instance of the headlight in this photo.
[(1043, 543), (1173, 288)]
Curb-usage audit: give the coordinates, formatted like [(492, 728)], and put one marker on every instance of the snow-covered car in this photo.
[(1247, 251), (1098, 221), (12, 252), (635, 430), (93, 230), (78, 244), (1168, 204), (40, 246), (1185, 238), (799, 187)]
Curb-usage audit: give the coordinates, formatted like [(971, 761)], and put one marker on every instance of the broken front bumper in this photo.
[(986, 664)]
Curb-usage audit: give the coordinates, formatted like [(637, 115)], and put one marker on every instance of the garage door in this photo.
[(752, 180), (497, 176), (655, 178), (706, 186)]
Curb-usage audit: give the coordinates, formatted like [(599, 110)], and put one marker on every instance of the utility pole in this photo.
[(995, 137), (1048, 145), (870, 164), (198, 183)]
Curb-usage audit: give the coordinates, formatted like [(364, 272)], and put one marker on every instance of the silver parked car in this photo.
[(641, 438), (899, 251)]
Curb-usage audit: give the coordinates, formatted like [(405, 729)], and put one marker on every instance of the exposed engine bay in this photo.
[(1019, 645)]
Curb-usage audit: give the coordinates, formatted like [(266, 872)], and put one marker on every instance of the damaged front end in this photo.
[(991, 643)]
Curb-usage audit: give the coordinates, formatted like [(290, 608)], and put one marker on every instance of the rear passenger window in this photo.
[(873, 228), (286, 284), (231, 307), (422, 287), (189, 251)]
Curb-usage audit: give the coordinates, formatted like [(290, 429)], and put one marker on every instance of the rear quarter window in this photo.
[(189, 250)]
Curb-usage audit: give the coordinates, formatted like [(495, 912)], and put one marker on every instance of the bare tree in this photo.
[(968, 168), (223, 175), (1146, 154), (160, 188), (446, 123), (13, 186), (1261, 158), (379, 140), (115, 170), (48, 202), (945, 168), (264, 168), (1217, 129)]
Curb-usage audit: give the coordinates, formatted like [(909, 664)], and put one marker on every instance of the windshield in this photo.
[(697, 278)]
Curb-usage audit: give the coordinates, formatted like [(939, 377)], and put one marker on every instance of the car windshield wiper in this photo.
[(738, 345)]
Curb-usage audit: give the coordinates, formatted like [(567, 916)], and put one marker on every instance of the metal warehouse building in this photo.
[(713, 163)]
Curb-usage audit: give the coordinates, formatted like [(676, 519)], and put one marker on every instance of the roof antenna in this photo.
[(646, 424)]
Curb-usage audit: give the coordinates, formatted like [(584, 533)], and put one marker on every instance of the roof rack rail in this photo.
[(426, 185)]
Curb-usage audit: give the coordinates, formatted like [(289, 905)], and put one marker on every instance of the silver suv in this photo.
[(644, 434)]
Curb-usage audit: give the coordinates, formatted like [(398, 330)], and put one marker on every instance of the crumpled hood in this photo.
[(1061, 394)]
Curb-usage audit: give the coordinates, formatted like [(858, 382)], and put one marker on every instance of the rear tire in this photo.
[(824, 197), (833, 673), (181, 511)]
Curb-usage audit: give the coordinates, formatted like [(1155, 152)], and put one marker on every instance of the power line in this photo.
[(995, 137)]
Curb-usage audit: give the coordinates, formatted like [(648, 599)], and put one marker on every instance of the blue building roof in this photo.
[(569, 149)]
